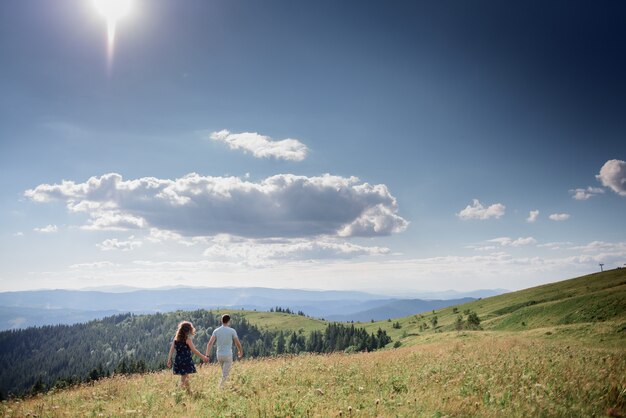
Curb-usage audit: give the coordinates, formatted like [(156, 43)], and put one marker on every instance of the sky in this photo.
[(392, 147)]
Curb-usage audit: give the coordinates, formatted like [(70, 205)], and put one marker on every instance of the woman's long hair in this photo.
[(185, 329)]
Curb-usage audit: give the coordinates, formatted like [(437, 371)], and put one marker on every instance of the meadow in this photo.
[(484, 373), (556, 350)]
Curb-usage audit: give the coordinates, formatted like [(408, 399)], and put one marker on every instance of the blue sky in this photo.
[(429, 105)]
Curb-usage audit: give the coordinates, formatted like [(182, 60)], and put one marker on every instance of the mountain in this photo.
[(396, 308), (49, 307)]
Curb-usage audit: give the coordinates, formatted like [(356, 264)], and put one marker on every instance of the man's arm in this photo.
[(239, 347), (209, 346)]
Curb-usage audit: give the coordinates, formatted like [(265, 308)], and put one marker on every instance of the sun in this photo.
[(112, 11)]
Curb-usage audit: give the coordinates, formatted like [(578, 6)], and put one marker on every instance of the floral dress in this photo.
[(183, 363)]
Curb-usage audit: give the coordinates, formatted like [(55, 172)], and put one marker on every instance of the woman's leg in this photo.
[(184, 382)]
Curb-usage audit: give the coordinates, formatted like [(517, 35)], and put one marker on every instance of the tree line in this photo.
[(40, 358)]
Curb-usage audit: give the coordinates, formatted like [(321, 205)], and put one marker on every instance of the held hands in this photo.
[(239, 354), (205, 359)]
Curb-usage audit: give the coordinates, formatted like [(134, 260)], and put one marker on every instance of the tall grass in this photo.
[(475, 374)]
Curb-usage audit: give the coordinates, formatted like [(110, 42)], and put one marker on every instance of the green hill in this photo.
[(596, 300), (277, 321), (552, 350)]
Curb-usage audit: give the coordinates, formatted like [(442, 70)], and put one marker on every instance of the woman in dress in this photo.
[(183, 345)]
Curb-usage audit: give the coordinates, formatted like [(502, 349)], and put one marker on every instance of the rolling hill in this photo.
[(552, 350), (596, 300)]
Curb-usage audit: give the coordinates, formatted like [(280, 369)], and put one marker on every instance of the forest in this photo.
[(41, 358)]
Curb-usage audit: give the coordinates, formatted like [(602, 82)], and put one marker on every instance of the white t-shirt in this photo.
[(224, 337)]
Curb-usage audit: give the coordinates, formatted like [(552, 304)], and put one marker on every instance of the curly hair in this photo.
[(185, 329)]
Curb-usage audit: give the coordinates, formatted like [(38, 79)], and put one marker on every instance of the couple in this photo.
[(223, 337)]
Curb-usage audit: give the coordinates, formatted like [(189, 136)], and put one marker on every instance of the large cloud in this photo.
[(477, 211), (262, 146), (613, 175), (283, 205)]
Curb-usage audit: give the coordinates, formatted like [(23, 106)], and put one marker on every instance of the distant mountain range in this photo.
[(47, 307)]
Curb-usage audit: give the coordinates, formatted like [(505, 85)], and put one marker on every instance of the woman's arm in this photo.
[(195, 350), (169, 356)]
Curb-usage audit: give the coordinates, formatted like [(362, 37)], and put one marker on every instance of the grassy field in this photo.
[(554, 350), (484, 373), (277, 321)]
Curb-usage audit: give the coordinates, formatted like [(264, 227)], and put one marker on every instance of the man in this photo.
[(225, 335)]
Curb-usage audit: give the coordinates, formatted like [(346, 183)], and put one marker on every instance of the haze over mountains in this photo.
[(47, 307)]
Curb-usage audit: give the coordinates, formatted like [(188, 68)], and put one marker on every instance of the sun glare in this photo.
[(112, 10)]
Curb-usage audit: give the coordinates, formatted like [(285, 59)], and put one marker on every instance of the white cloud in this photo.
[(262, 253), (115, 244), (283, 205), (18, 234), (94, 265), (532, 216), (559, 217), (557, 245), (477, 211), (47, 229), (262, 146), (601, 246), (613, 175), (160, 235), (519, 242), (584, 194)]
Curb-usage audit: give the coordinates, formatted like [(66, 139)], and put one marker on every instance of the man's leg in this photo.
[(226, 362)]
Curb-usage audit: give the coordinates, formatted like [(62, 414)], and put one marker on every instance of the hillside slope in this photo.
[(595, 300)]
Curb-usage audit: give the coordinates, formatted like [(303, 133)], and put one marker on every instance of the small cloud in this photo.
[(559, 217), (262, 146), (519, 242), (613, 175), (94, 265), (115, 244), (47, 229), (18, 234), (584, 194), (557, 245), (532, 216), (477, 211)]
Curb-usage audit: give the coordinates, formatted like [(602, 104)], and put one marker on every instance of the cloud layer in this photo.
[(256, 253), (262, 146), (613, 175), (477, 211), (283, 205)]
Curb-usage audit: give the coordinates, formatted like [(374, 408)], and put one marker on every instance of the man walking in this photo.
[(224, 336)]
